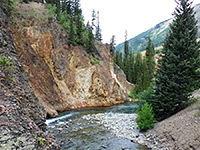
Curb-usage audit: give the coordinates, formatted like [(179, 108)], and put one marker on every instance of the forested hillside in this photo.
[(157, 34)]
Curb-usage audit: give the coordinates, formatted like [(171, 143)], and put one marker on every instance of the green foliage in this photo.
[(150, 53), (137, 67), (88, 39), (147, 95), (25, 1), (93, 62), (52, 10), (145, 117), (178, 72), (33, 13), (41, 141), (6, 67), (7, 6), (133, 94), (94, 59)]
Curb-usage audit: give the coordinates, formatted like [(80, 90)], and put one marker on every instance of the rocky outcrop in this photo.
[(61, 76), (22, 120)]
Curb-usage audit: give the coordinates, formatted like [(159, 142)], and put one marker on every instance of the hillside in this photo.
[(50, 76), (63, 76), (22, 120), (180, 131), (157, 34)]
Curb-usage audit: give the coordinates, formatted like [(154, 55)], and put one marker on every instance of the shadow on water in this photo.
[(72, 132)]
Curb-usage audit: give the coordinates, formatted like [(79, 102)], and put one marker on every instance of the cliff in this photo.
[(22, 121), (62, 76)]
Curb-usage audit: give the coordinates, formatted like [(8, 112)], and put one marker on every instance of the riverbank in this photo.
[(104, 128), (179, 132)]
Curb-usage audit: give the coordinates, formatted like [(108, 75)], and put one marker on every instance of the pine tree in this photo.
[(79, 21), (98, 35), (58, 7), (137, 66), (88, 39), (178, 69), (93, 20), (121, 65), (131, 68), (126, 54), (142, 82), (112, 44), (150, 53), (116, 58), (145, 74)]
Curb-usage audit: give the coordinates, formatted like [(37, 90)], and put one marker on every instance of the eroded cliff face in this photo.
[(22, 119), (62, 76)]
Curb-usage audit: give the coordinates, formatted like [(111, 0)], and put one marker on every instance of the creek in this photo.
[(99, 128)]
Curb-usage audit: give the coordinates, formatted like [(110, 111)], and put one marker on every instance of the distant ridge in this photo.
[(157, 34)]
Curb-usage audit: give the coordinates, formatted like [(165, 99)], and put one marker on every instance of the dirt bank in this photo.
[(179, 132)]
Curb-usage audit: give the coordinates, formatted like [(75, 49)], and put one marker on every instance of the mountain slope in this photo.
[(62, 76), (157, 34)]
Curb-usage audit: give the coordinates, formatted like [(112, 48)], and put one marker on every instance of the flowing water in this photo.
[(110, 128)]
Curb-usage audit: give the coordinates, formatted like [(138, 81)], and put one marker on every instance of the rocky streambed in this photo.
[(111, 128)]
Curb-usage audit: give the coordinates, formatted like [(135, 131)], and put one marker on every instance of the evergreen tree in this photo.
[(142, 82), (112, 44), (131, 68), (79, 21), (88, 39), (126, 54), (93, 19), (121, 61), (145, 75), (116, 58), (72, 33), (98, 35), (150, 53), (178, 69), (137, 66), (58, 7)]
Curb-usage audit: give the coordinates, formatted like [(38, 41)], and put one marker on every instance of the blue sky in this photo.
[(135, 16)]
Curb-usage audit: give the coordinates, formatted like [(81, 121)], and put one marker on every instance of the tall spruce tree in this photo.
[(126, 54), (112, 44), (142, 82), (79, 21), (150, 53), (116, 58), (178, 69), (145, 74), (98, 35), (137, 66)]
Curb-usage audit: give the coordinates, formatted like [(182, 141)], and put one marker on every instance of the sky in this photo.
[(135, 16)]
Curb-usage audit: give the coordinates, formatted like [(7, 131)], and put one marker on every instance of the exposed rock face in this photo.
[(22, 120), (63, 77)]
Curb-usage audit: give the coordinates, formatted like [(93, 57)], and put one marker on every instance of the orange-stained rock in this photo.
[(63, 77)]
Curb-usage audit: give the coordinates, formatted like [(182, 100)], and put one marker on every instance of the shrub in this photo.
[(40, 140), (132, 94), (93, 62), (145, 117), (52, 11), (147, 95), (6, 67)]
